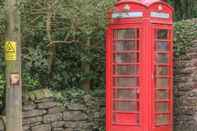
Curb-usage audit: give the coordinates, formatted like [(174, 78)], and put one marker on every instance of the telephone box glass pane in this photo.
[(162, 83), (162, 46), (161, 94), (131, 94), (126, 82), (162, 58), (128, 34), (126, 58), (162, 107), (162, 34), (162, 119), (162, 70), (126, 45), (126, 69)]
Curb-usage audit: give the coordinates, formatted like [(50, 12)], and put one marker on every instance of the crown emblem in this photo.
[(127, 7), (160, 7)]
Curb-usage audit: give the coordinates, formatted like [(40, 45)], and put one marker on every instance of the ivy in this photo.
[(185, 34)]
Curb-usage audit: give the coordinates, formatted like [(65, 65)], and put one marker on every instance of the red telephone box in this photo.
[(139, 66)]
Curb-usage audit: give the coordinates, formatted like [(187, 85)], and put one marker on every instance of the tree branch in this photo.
[(61, 42)]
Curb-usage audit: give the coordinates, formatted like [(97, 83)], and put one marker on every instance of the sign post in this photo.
[(13, 68)]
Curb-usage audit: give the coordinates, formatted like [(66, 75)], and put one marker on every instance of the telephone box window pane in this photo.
[(162, 119), (162, 58), (162, 107), (125, 94), (126, 106), (161, 94), (162, 34), (126, 70), (126, 58), (162, 70), (126, 82), (126, 34), (162, 46), (162, 82), (126, 45)]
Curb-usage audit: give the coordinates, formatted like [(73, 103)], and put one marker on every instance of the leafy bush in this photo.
[(185, 33), (79, 20)]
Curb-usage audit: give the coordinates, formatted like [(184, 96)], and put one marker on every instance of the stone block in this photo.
[(58, 124), (42, 128), (47, 105), (76, 107), (58, 129), (29, 107), (33, 113), (57, 109), (74, 116), (32, 120), (52, 117)]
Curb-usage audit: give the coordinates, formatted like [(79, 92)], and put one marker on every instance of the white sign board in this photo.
[(126, 15), (160, 15)]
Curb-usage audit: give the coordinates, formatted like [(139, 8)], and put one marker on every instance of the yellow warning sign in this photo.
[(10, 50)]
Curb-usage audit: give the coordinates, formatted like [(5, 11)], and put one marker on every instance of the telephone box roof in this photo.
[(144, 2)]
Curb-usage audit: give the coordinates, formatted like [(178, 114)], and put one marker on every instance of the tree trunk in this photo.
[(13, 69), (86, 84)]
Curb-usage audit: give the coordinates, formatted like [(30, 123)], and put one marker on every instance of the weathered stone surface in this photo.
[(26, 128), (29, 107), (32, 120), (57, 109), (36, 124), (78, 124), (58, 124), (68, 129), (45, 99), (52, 117), (47, 114), (47, 105), (76, 107), (185, 90), (33, 113), (2, 125), (41, 128), (58, 129), (74, 116), (89, 100)]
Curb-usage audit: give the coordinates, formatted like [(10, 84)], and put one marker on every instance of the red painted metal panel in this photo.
[(139, 67), (162, 103), (124, 115)]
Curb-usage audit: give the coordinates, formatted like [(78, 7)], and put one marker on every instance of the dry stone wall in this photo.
[(185, 91), (47, 114)]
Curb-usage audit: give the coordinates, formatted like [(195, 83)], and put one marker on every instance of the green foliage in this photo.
[(34, 67), (73, 95), (2, 85), (79, 21), (185, 33), (184, 9), (2, 91), (38, 94), (30, 83)]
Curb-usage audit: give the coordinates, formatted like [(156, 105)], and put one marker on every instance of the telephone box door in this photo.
[(163, 78), (125, 86)]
